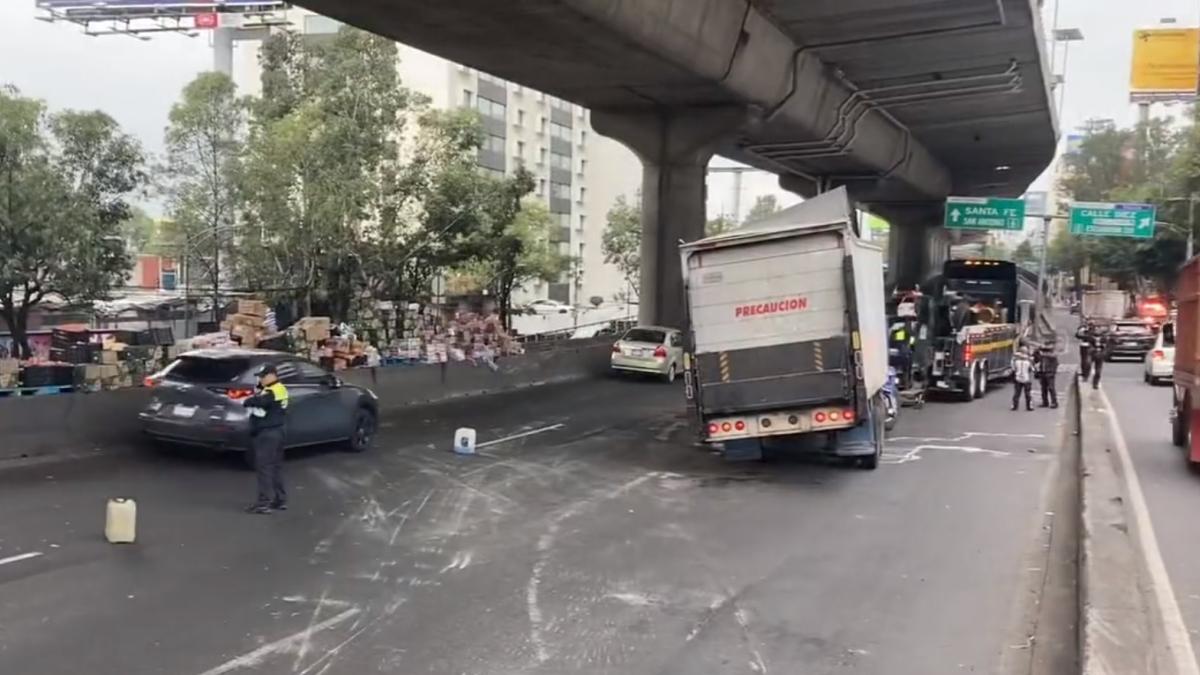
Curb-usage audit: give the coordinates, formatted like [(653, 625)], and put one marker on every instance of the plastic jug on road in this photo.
[(464, 441), (120, 526)]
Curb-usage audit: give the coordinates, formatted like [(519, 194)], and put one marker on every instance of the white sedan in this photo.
[(650, 350), (547, 307), (1160, 360)]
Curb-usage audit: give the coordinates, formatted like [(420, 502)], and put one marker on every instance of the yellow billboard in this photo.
[(1165, 61)]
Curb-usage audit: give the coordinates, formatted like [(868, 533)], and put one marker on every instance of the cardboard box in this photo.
[(315, 328), (247, 335), (252, 308), (109, 357), (245, 320), (9, 366)]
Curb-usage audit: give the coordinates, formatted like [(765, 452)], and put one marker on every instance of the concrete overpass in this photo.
[(902, 101)]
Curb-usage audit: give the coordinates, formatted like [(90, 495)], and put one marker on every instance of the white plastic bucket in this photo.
[(464, 441)]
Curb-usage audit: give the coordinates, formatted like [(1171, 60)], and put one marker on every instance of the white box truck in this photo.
[(788, 331)]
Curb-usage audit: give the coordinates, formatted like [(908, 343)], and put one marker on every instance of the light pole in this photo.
[(1066, 36), (1191, 235)]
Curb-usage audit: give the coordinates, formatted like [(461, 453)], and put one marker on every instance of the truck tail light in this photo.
[(968, 354), (713, 429), (739, 425), (847, 415), (820, 417)]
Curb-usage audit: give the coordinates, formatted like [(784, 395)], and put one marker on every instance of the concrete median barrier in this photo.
[(75, 424), (1128, 620)]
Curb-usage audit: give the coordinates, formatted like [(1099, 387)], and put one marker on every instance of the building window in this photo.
[(582, 221), (582, 165), (494, 143), (490, 108), (520, 118), (542, 125), (489, 171), (564, 219), (542, 187), (582, 193), (582, 137), (560, 131), (521, 149), (321, 25), (466, 99), (560, 161), (542, 156), (560, 190)]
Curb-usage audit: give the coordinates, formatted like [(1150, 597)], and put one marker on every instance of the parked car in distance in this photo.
[(1160, 361), (547, 307), (1130, 338), (198, 401), (651, 350)]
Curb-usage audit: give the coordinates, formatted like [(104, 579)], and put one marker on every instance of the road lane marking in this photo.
[(523, 434), (256, 657), (19, 558), (1178, 639)]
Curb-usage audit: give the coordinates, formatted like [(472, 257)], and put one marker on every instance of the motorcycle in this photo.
[(891, 399)]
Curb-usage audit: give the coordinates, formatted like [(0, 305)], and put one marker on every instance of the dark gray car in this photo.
[(197, 401)]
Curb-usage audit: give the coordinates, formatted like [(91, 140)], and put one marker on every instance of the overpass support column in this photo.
[(909, 257), (674, 146)]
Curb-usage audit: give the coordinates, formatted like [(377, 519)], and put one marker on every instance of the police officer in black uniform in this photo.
[(268, 414), (1047, 369)]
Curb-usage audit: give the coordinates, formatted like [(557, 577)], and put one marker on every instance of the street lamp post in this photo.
[(1066, 36)]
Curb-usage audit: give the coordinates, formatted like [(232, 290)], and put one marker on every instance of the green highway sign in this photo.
[(1100, 219), (985, 213)]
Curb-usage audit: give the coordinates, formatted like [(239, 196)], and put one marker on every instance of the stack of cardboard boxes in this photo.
[(10, 373), (248, 326)]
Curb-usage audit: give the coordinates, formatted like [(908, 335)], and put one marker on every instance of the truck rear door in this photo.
[(769, 323)]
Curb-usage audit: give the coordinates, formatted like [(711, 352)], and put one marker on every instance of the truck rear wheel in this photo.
[(970, 388), (878, 413), (1179, 426)]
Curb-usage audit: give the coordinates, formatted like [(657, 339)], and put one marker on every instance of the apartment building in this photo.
[(579, 173)]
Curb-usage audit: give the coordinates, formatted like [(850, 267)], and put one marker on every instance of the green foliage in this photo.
[(621, 242), (764, 206), (719, 225), (65, 182), (1153, 163), (204, 141), (1024, 253)]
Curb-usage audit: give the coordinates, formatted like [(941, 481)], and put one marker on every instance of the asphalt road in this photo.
[(603, 541), (1172, 492)]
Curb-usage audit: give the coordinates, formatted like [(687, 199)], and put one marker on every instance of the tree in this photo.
[(520, 251), (140, 232), (64, 184), (719, 225), (204, 142), (1024, 253), (322, 162), (621, 242), (764, 206)]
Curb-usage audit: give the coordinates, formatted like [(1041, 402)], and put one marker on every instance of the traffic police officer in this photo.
[(268, 413)]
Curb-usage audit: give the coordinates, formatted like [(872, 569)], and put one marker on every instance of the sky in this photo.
[(136, 82)]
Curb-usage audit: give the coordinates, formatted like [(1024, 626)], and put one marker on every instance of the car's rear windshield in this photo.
[(645, 335), (207, 371)]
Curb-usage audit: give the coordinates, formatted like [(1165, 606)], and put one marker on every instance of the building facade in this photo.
[(577, 172)]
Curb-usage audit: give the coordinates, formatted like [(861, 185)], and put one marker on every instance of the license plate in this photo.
[(641, 353), (1130, 344), (186, 411)]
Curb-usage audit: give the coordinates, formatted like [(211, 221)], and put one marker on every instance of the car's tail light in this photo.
[(236, 393), (1159, 355), (616, 349), (150, 382), (847, 415), (660, 352)]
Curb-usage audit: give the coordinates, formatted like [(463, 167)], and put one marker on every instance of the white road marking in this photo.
[(914, 454), (523, 434), (254, 658), (19, 558), (1178, 640)]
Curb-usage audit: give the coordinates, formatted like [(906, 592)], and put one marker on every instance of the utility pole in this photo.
[(1039, 300)]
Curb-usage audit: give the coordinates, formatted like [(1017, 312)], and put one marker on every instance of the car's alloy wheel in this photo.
[(364, 431)]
